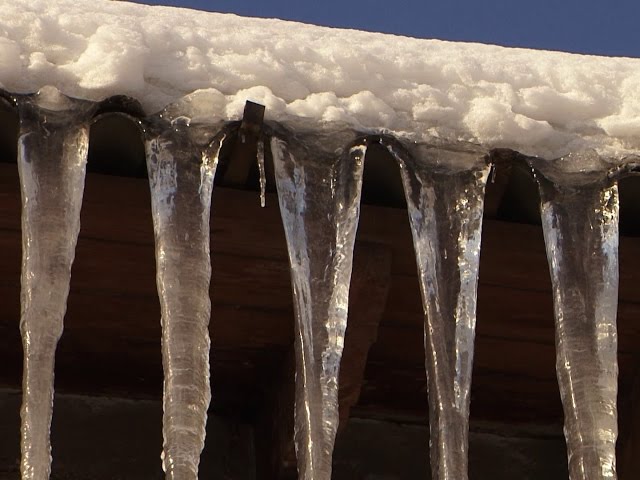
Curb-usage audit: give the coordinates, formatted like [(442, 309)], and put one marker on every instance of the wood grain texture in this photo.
[(111, 343)]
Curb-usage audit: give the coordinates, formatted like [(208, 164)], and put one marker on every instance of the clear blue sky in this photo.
[(605, 27)]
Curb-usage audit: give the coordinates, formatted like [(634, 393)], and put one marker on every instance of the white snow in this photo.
[(544, 103)]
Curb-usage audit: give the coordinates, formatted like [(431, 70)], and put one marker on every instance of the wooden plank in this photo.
[(628, 451), (507, 385), (501, 160), (512, 254), (367, 303), (112, 339), (276, 457), (507, 312), (400, 393)]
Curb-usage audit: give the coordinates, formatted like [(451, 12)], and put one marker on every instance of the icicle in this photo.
[(445, 199), (52, 155), (580, 222), (263, 176), (182, 162), (319, 180)]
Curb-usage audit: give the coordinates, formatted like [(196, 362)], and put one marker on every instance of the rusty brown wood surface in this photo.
[(111, 343)]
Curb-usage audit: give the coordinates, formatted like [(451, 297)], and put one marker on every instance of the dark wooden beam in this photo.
[(501, 160), (370, 286), (235, 171), (275, 449), (111, 342), (629, 435)]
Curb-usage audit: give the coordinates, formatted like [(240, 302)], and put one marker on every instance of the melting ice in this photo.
[(182, 160), (52, 154), (319, 179), (445, 198), (580, 223)]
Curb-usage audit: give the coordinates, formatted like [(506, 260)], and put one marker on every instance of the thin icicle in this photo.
[(181, 167), (445, 199), (580, 222), (52, 155), (319, 180), (263, 176)]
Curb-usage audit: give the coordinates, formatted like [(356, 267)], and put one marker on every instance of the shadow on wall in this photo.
[(391, 452)]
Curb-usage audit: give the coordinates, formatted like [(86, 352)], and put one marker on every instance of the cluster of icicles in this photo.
[(319, 177)]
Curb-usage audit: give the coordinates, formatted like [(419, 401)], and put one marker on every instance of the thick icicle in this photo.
[(52, 154), (319, 178), (445, 198), (182, 161), (580, 222)]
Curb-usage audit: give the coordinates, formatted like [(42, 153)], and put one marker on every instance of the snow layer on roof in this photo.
[(545, 103)]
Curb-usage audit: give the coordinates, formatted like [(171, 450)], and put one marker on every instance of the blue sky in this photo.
[(605, 27)]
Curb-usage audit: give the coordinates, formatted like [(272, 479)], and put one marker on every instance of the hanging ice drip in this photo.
[(52, 155), (444, 188), (579, 207), (319, 179), (182, 156)]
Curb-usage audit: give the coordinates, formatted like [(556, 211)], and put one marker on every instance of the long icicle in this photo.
[(445, 200), (181, 171), (52, 155), (319, 181), (580, 223)]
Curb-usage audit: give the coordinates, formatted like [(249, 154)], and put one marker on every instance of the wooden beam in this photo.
[(235, 171), (275, 449), (629, 435), (501, 159), (370, 287), (111, 342)]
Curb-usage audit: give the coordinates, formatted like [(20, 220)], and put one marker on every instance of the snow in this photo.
[(543, 103)]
